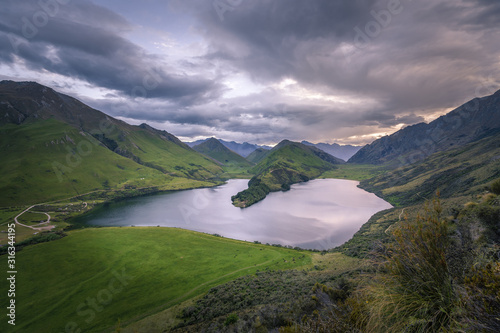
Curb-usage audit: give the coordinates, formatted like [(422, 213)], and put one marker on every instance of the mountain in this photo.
[(195, 143), (243, 149), (472, 121), (456, 172), (54, 146), (286, 164), (213, 148), (344, 152), (257, 155)]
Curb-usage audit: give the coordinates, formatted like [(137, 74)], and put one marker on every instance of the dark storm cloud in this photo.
[(427, 55), (82, 40), (267, 36), (376, 64)]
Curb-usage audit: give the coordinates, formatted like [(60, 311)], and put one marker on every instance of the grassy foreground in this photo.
[(94, 278)]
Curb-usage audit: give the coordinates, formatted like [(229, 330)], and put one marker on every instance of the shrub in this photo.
[(231, 319), (482, 299), (495, 187), (43, 237), (415, 292)]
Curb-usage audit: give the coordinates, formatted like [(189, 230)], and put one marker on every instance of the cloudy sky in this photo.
[(345, 71)]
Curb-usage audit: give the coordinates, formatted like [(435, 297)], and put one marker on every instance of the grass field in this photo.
[(93, 278), (323, 265), (354, 171)]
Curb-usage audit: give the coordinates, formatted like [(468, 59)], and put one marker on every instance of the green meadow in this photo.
[(94, 278), (354, 171)]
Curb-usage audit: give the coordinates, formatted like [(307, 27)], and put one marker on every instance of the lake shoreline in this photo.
[(74, 222), (209, 210), (66, 222)]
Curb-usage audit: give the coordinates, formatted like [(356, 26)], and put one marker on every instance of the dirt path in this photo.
[(35, 227), (401, 214)]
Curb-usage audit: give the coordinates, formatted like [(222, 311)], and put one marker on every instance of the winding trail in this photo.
[(401, 214), (35, 227)]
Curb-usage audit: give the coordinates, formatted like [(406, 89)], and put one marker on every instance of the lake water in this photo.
[(319, 214)]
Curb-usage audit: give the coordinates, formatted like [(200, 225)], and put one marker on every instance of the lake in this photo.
[(319, 214)]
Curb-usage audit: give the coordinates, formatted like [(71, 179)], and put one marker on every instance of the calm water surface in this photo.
[(319, 214)]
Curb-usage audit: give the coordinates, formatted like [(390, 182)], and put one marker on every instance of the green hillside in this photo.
[(130, 272), (287, 163), (258, 155), (231, 161), (48, 160), (54, 146), (165, 153), (462, 171)]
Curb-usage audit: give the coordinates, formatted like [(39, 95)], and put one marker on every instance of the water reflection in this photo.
[(319, 214)]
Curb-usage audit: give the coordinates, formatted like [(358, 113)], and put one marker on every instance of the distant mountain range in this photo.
[(244, 149), (477, 119), (53, 146), (213, 148), (344, 152)]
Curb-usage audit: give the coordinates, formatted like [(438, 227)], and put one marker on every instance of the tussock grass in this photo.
[(414, 291)]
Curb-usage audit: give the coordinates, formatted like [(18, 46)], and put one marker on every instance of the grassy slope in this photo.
[(170, 157), (457, 174), (462, 171), (286, 165), (55, 128), (258, 155), (354, 171), (166, 266), (234, 165), (28, 157), (255, 298)]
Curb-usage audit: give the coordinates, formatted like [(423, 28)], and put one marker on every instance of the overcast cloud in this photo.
[(259, 70)]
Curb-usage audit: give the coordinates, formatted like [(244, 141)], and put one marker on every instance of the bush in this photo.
[(495, 187), (231, 319), (415, 292), (43, 237), (482, 299)]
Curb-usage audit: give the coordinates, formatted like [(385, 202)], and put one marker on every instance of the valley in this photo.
[(64, 161)]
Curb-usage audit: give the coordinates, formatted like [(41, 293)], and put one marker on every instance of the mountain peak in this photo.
[(284, 143), (469, 122), (214, 149), (343, 152), (211, 145)]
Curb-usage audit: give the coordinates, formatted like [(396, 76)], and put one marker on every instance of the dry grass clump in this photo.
[(414, 291)]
